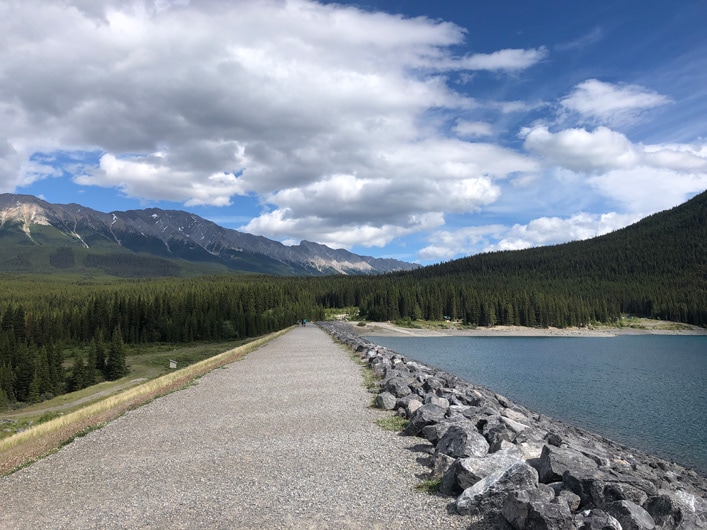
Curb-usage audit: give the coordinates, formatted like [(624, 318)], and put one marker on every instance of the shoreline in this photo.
[(503, 463), (389, 329)]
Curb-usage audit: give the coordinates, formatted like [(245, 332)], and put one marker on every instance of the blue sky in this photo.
[(423, 131)]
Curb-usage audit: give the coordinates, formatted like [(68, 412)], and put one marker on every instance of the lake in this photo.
[(645, 391)]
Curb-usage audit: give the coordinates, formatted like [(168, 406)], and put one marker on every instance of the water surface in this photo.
[(646, 391)]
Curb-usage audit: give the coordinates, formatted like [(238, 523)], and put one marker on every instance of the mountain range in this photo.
[(37, 236)]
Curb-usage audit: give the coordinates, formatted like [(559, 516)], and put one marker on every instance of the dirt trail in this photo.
[(75, 403)]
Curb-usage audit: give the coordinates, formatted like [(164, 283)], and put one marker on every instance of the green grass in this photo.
[(640, 323), (407, 323), (43, 438), (144, 363), (343, 313), (429, 486), (393, 423)]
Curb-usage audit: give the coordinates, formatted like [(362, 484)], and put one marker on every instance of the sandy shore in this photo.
[(643, 327)]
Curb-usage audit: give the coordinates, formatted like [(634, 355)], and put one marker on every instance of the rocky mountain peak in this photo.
[(176, 234)]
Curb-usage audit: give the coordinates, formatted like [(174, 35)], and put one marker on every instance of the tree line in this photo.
[(40, 320), (656, 269)]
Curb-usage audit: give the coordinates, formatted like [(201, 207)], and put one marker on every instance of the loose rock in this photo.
[(512, 468)]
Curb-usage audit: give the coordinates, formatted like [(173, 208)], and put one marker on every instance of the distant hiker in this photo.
[(304, 322)]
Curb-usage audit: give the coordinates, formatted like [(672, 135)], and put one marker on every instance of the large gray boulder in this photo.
[(462, 440), (386, 400), (410, 403), (379, 365), (554, 461), (434, 432), (397, 386), (495, 431), (488, 495), (465, 472), (630, 515), (677, 510), (597, 487), (426, 415), (436, 400), (527, 509)]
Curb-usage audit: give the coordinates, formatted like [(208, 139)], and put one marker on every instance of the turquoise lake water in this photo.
[(645, 391)]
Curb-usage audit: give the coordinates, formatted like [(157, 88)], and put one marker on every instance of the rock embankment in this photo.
[(511, 468)]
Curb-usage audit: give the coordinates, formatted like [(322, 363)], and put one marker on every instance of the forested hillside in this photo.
[(40, 319), (656, 268)]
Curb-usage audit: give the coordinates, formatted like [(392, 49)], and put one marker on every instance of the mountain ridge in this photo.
[(169, 235)]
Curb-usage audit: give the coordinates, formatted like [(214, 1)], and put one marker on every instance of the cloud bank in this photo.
[(347, 125)]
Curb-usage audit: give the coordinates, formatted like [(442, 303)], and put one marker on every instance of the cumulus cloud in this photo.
[(582, 150), (538, 232), (349, 126), (599, 102), (369, 233), (649, 189), (290, 100), (643, 179), (555, 230), (448, 244), (472, 129), (138, 178), (404, 187)]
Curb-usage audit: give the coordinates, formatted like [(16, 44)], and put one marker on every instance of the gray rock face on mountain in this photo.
[(180, 234)]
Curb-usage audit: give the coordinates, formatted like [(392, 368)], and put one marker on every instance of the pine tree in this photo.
[(115, 364), (77, 381), (100, 348), (91, 362), (35, 388), (4, 401), (7, 381)]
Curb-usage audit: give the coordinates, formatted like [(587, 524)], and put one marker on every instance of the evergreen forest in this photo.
[(656, 268)]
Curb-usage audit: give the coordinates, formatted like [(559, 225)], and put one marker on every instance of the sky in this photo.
[(416, 130)]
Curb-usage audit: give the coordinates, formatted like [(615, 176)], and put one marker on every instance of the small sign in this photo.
[(172, 364)]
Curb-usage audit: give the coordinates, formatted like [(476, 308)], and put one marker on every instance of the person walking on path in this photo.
[(284, 438)]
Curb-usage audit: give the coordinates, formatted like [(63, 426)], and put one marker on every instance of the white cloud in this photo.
[(510, 59), (554, 230), (449, 244), (599, 102), (538, 232), (198, 102), (398, 187), (642, 178), (472, 129), (677, 157), (142, 177), (604, 150), (649, 189), (582, 150), (594, 36), (343, 234)]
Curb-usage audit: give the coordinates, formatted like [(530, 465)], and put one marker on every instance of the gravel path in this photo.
[(282, 439)]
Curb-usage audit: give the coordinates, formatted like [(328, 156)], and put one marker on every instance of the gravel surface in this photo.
[(284, 438)]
